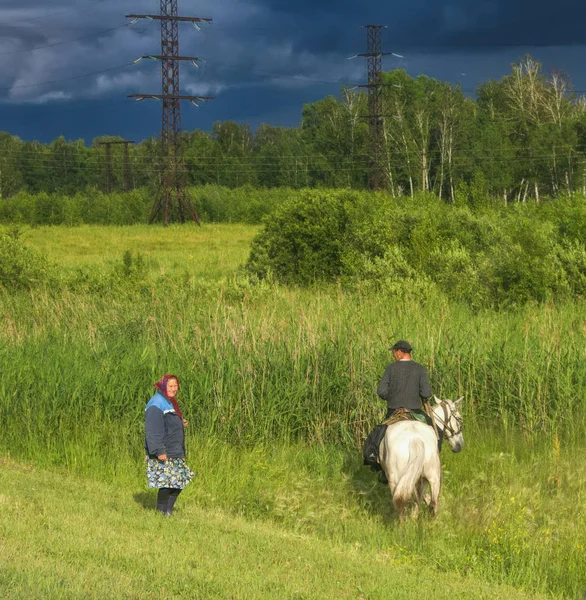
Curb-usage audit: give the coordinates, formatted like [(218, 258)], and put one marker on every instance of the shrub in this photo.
[(456, 273), (491, 257), (571, 272), (303, 241), (393, 276), (22, 267)]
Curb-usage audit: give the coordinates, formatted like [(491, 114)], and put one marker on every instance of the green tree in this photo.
[(335, 138), (233, 153)]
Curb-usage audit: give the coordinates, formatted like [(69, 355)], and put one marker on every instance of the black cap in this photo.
[(402, 345)]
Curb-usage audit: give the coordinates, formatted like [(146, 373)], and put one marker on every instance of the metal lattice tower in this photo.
[(378, 176), (108, 176), (172, 196), (108, 170)]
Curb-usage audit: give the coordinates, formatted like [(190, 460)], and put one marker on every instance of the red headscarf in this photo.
[(162, 387)]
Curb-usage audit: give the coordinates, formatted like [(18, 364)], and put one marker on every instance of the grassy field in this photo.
[(212, 251), (278, 384)]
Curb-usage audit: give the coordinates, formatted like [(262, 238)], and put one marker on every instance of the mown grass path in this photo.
[(65, 537)]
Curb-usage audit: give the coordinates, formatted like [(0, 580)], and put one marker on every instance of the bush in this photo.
[(456, 273), (214, 204), (492, 257), (303, 241), (217, 204), (393, 276), (22, 267), (571, 272)]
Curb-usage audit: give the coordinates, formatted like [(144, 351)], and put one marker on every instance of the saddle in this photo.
[(404, 414), (372, 442)]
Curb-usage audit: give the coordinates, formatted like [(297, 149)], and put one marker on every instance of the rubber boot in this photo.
[(163, 499), (172, 498)]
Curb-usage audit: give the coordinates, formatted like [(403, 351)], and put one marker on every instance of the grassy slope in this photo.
[(63, 537)]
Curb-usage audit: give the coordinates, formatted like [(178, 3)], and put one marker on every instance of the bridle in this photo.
[(446, 424)]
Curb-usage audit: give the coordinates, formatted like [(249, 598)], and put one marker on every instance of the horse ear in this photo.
[(436, 399), (459, 401)]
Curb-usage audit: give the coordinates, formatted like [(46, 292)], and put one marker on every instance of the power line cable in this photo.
[(83, 37), (253, 157), (43, 83), (298, 77), (240, 166)]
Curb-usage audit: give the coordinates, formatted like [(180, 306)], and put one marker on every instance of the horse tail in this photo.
[(407, 485)]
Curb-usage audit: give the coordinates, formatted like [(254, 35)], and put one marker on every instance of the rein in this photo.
[(447, 425), (431, 415)]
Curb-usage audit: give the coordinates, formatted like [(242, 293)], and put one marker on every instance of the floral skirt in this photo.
[(172, 473)]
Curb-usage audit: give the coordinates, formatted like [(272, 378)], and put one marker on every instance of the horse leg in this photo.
[(435, 486), (398, 503), (415, 510), (423, 492)]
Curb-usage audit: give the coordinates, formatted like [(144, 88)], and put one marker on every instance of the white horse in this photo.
[(410, 458)]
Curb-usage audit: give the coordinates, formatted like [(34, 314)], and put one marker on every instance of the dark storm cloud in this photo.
[(535, 23), (63, 41), (258, 39), (451, 24), (282, 52)]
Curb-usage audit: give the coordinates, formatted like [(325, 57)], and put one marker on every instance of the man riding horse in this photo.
[(404, 386), (405, 383)]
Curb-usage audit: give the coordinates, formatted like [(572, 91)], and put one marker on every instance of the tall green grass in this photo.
[(264, 362)]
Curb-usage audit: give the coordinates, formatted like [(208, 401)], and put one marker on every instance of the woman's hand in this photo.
[(162, 457), (185, 423)]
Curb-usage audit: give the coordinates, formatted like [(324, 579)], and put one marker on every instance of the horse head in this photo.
[(448, 418)]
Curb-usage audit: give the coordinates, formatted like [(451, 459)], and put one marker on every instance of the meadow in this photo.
[(278, 385), (210, 253)]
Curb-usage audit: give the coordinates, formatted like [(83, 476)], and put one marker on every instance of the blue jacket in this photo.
[(164, 431)]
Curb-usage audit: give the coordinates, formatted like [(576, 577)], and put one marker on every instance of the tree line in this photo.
[(523, 136)]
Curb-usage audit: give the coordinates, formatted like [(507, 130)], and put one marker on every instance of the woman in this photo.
[(165, 444)]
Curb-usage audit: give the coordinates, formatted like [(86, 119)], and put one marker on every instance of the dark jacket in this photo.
[(403, 385), (164, 431)]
